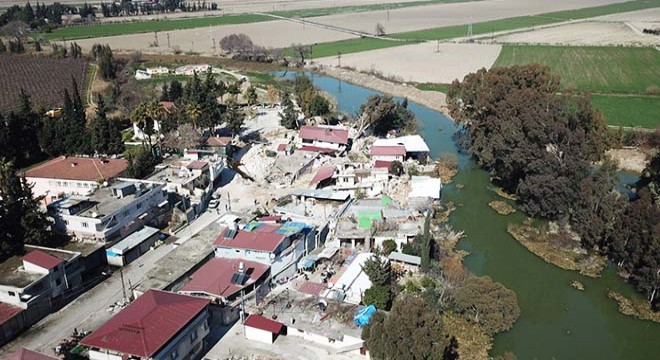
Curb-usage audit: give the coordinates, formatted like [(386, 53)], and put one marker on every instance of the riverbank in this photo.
[(431, 99), (632, 307), (542, 244)]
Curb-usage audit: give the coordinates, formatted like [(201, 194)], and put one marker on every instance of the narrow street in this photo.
[(90, 310)]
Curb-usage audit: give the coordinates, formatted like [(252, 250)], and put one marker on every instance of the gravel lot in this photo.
[(583, 33), (422, 62)]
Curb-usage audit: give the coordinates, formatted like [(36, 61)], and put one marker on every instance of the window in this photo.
[(174, 355), (11, 293), (58, 282), (139, 205), (193, 336), (126, 213), (85, 225), (59, 183), (66, 222)]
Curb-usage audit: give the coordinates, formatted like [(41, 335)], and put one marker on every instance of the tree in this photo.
[(650, 178), (251, 95), (272, 93), (21, 221), (142, 163), (383, 114), (184, 137), (380, 29), (397, 168), (319, 106), (389, 246), (3, 47), (485, 302), (237, 43), (176, 90), (234, 119), (378, 296), (289, 114), (106, 62), (413, 330), (105, 135), (378, 271)]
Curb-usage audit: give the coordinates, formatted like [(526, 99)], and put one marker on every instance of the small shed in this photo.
[(132, 247), (408, 262), (262, 329)]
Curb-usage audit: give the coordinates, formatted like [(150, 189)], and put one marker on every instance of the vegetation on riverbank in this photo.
[(634, 307), (502, 207), (545, 155), (558, 249)]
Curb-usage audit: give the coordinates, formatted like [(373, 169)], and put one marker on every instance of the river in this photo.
[(556, 321)]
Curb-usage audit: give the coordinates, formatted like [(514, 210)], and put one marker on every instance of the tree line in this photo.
[(541, 144)]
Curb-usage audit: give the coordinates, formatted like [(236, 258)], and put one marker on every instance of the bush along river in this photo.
[(556, 321)]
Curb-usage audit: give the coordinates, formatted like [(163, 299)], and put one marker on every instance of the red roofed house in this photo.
[(157, 325), (73, 176), (32, 286), (388, 153), (324, 138), (262, 329), (26, 354), (279, 246), (222, 280)]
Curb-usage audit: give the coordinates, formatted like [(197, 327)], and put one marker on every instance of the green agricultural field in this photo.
[(629, 111), (597, 69), (101, 30), (449, 32)]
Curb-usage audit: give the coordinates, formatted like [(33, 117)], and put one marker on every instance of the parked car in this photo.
[(213, 203)]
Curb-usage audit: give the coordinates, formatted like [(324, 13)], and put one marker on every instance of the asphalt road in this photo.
[(90, 310)]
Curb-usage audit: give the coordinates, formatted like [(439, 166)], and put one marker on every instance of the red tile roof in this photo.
[(325, 172), (197, 165), (7, 312), (282, 147), (388, 150), (260, 322), (383, 164), (79, 168), (40, 258), (214, 277), (26, 354), (330, 135), (218, 141), (275, 218), (251, 240), (147, 324)]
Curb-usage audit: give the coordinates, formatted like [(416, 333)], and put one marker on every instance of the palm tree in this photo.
[(194, 112)]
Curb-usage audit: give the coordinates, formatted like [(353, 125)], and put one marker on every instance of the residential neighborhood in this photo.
[(306, 180)]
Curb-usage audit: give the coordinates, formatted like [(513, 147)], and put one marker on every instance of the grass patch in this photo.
[(101, 30), (443, 88), (597, 69), (352, 46), (631, 111)]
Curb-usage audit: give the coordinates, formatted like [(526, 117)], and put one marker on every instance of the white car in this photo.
[(213, 203)]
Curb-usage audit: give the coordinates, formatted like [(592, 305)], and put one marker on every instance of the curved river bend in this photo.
[(557, 321)]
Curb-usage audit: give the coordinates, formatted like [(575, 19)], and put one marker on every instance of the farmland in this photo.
[(596, 69), (108, 29), (42, 78), (629, 110)]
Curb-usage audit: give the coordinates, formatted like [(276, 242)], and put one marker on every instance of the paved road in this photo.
[(89, 311)]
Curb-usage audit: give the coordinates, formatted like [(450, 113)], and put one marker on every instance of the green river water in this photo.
[(556, 321)]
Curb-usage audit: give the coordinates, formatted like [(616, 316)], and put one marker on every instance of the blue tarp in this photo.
[(309, 264), (363, 315)]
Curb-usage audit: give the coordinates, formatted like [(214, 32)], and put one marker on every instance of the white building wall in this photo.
[(255, 334), (388, 157), (51, 188), (102, 355), (34, 268), (139, 135), (251, 255)]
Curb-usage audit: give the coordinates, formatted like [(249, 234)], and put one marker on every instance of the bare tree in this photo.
[(185, 137), (301, 51), (16, 29), (237, 43), (380, 29)]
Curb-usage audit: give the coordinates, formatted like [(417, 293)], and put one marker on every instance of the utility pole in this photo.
[(437, 49), (123, 286), (156, 37), (338, 59), (168, 40)]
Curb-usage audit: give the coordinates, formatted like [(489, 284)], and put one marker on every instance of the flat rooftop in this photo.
[(83, 247), (134, 240), (181, 261), (102, 202), (291, 304), (11, 273)]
